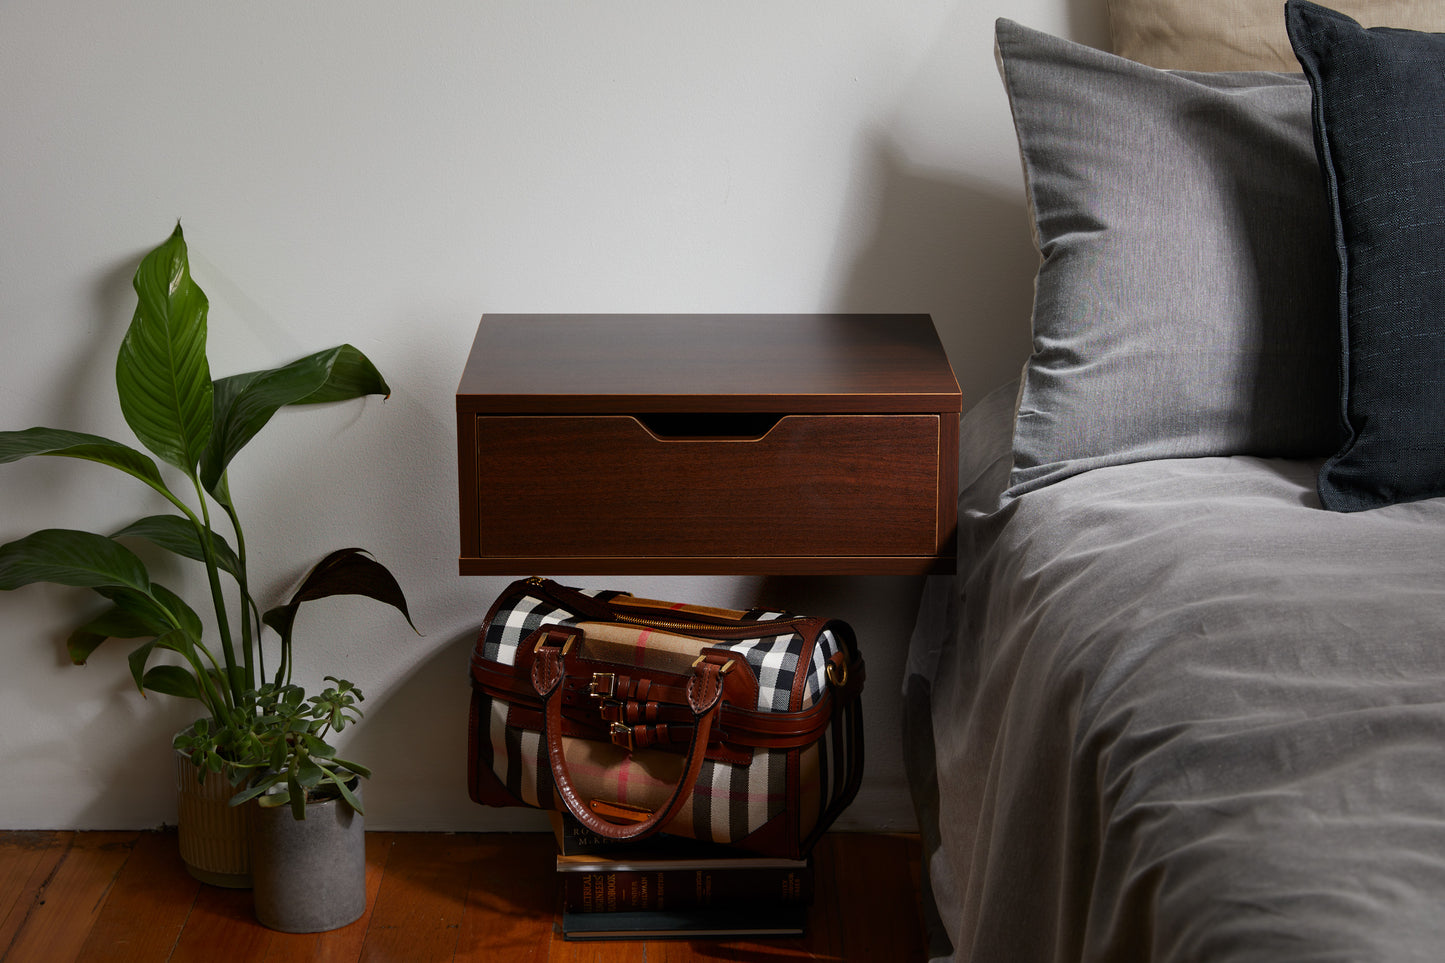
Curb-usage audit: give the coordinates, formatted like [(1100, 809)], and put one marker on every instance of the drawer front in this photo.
[(606, 487)]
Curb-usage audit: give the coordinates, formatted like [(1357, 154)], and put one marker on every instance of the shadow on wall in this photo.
[(957, 248), (415, 736), (125, 756)]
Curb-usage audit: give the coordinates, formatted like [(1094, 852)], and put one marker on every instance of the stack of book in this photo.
[(668, 887)]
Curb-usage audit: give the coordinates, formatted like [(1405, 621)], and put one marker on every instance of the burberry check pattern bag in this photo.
[(639, 716)]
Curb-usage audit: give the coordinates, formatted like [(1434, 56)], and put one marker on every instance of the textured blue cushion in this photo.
[(1379, 120)]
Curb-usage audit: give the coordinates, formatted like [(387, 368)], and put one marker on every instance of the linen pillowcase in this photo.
[(1183, 306), (1237, 34), (1379, 115)]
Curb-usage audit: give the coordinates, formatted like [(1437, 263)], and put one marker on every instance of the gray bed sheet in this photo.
[(1177, 711)]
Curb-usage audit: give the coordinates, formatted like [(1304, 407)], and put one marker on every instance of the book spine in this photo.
[(615, 891), (695, 924)]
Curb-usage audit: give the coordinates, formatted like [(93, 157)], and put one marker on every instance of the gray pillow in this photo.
[(1185, 303)]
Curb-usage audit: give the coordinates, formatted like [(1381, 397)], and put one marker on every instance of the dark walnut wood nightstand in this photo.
[(707, 445)]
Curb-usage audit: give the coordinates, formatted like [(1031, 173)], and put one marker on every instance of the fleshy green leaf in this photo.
[(245, 403), (355, 767), (250, 793), (15, 445), (176, 534), (308, 774), (354, 801), (68, 557), (296, 795), (318, 748), (348, 571), (161, 373)]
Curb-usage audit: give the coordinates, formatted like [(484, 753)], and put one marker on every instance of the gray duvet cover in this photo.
[(1176, 711)]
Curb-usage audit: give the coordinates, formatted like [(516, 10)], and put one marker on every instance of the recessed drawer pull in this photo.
[(709, 426)]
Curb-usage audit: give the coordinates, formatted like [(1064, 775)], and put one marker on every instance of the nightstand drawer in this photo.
[(608, 486), (707, 445)]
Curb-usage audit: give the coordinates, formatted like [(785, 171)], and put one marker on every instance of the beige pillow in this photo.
[(1240, 34)]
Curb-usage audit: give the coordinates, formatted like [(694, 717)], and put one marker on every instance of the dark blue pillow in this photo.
[(1379, 120)]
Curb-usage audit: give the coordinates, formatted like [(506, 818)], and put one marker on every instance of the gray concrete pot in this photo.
[(308, 875)]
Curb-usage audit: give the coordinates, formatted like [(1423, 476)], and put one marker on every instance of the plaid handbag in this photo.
[(640, 716)]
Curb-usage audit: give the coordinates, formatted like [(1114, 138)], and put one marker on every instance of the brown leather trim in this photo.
[(668, 736), (704, 694), (689, 622), (737, 725)]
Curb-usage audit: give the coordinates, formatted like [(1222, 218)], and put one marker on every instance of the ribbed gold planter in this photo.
[(214, 839)]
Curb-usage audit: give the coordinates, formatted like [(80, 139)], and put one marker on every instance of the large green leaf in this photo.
[(158, 607), (15, 445), (348, 571), (137, 660), (179, 535), (183, 616), (244, 403), (68, 557), (114, 623), (350, 374), (172, 680), (161, 373)]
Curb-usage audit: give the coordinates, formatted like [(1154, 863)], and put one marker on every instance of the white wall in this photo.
[(384, 174)]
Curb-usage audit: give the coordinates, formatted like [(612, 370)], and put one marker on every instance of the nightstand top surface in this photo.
[(544, 363)]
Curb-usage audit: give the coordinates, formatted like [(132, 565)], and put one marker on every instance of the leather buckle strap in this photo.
[(551, 638), (553, 645), (704, 698), (621, 734)]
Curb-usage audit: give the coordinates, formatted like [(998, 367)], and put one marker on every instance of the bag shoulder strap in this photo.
[(704, 696)]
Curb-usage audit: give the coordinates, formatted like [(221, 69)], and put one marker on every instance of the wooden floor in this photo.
[(430, 897)]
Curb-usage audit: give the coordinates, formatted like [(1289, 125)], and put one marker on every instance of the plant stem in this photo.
[(254, 657), (213, 575)]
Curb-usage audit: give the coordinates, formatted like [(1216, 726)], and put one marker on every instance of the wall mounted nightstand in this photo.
[(707, 445)]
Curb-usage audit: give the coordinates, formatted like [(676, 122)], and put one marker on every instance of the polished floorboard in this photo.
[(430, 897)]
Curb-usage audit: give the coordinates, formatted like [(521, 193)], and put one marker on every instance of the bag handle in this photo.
[(704, 698)]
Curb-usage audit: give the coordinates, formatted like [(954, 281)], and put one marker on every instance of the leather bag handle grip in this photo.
[(704, 696)]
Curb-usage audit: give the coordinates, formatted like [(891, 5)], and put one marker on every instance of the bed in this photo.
[(1184, 698)]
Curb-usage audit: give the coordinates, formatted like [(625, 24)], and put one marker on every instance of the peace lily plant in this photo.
[(259, 727)]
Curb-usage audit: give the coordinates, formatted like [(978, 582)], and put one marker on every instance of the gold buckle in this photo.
[(604, 685), (622, 735), (726, 666), (566, 646)]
